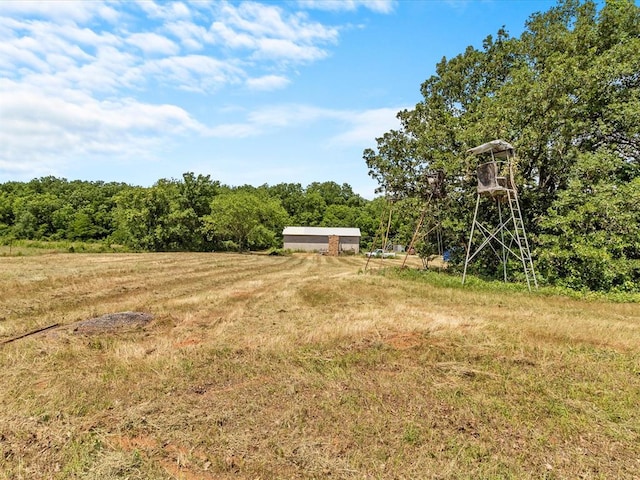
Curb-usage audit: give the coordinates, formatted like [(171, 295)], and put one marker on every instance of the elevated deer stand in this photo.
[(496, 182), (435, 190), (382, 232)]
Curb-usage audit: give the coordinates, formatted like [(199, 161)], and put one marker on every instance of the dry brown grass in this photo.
[(304, 367)]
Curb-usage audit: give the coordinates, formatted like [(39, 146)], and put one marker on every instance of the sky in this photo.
[(248, 92)]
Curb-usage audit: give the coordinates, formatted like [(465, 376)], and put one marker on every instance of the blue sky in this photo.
[(247, 92)]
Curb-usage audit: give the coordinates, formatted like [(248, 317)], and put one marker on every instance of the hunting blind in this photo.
[(496, 182)]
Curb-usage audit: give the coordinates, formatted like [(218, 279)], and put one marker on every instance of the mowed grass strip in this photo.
[(306, 367)]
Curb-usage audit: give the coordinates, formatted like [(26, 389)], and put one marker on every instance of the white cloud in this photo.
[(198, 73), (378, 6), (268, 82), (272, 48), (42, 47), (357, 128), (260, 20), (364, 127), (164, 10), (61, 10), (191, 35), (40, 129), (269, 119), (110, 70), (234, 130), (52, 57), (281, 116), (25, 46), (270, 33), (225, 35), (77, 78), (152, 43), (84, 36), (17, 56), (180, 10), (107, 13)]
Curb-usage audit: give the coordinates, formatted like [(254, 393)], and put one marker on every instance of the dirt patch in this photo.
[(404, 341), (178, 461), (189, 342), (112, 322)]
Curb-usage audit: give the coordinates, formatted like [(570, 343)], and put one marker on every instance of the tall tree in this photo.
[(247, 219)]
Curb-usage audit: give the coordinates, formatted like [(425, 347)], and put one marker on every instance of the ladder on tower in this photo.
[(521, 238)]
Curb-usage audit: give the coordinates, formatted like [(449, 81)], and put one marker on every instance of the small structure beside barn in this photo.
[(329, 240)]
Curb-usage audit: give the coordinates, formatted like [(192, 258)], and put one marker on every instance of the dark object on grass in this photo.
[(113, 321), (33, 332)]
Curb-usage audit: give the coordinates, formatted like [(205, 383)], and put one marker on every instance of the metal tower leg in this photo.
[(473, 226), (417, 231), (415, 236), (375, 240), (502, 244)]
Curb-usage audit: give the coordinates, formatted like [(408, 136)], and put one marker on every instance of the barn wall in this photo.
[(315, 243), (309, 243), (350, 243)]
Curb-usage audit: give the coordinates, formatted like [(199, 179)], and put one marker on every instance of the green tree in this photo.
[(169, 216), (334, 194), (248, 219), (195, 194), (82, 226), (6, 213), (35, 216), (292, 198), (52, 208), (340, 216), (592, 233), (312, 209)]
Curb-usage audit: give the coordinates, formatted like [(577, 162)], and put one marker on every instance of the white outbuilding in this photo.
[(332, 240)]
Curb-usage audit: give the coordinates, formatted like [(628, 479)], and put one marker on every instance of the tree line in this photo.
[(194, 213), (566, 94)]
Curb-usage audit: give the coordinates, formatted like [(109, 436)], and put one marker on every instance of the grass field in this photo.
[(260, 367)]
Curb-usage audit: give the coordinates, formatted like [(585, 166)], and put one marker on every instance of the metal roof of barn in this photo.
[(339, 231)]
